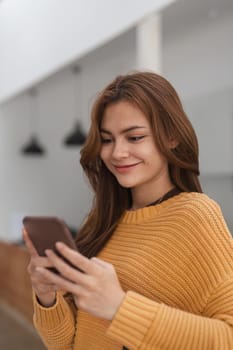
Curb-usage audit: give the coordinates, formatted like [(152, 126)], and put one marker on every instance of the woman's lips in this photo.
[(125, 168)]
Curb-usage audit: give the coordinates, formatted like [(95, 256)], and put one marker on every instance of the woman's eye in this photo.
[(106, 141), (136, 138)]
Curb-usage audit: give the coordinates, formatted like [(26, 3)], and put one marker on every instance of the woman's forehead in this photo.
[(122, 115)]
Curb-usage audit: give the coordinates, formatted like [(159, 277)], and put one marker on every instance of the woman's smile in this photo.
[(125, 168)]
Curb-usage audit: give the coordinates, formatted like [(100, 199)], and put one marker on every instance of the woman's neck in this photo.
[(143, 197)]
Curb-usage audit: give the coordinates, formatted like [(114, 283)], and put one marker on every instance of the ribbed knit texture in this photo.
[(175, 260), (49, 320)]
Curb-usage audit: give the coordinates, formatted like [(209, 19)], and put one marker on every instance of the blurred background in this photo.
[(55, 56)]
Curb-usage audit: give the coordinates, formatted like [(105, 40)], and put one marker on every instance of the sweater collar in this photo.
[(147, 213)]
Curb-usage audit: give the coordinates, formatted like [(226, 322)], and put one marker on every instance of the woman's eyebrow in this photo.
[(134, 127)]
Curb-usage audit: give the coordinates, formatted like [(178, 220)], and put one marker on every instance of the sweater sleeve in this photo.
[(56, 324), (142, 323)]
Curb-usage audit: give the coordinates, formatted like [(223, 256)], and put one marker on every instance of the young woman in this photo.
[(156, 254)]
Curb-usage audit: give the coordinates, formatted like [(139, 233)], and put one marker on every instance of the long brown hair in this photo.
[(159, 102)]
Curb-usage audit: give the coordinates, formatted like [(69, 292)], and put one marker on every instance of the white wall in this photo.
[(212, 118), (220, 188), (199, 60), (199, 64), (53, 185)]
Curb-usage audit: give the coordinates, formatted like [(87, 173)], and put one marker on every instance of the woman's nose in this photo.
[(120, 150)]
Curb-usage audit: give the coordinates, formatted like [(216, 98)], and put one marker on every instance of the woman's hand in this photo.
[(96, 290), (44, 289)]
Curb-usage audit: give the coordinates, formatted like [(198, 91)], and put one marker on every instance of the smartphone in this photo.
[(45, 231)]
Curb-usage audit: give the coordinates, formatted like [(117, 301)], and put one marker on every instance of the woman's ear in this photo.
[(173, 143)]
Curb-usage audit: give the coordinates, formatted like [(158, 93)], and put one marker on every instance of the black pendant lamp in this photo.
[(76, 137), (33, 147)]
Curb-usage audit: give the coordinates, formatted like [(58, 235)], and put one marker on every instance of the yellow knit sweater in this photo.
[(175, 260)]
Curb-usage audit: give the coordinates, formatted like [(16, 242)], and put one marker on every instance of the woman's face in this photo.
[(128, 149)]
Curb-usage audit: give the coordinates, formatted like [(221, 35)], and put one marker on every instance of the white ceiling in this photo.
[(38, 38)]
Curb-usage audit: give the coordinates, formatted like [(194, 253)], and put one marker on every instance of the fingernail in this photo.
[(59, 245)]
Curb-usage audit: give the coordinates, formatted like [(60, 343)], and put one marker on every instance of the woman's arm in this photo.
[(56, 324), (54, 315), (141, 323)]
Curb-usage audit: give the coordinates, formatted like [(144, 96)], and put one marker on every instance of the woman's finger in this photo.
[(68, 272), (58, 281), (81, 262), (42, 261), (39, 280), (100, 262)]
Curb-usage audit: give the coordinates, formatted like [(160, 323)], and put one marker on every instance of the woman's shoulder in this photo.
[(203, 222), (197, 203), (199, 208), (202, 213)]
